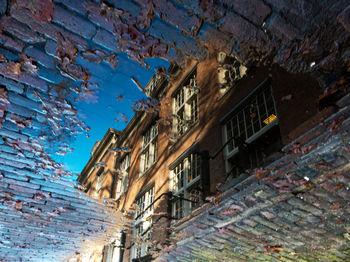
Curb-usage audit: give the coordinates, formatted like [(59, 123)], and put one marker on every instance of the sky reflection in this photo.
[(101, 110)]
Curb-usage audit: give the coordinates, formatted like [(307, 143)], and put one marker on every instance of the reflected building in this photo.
[(204, 128)]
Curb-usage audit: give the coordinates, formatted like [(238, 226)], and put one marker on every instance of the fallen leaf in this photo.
[(335, 206), (232, 210), (42, 10), (120, 97), (273, 249), (13, 69), (260, 173), (336, 124), (346, 148), (3, 58), (297, 148), (287, 97)]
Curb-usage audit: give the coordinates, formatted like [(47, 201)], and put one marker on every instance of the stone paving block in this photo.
[(14, 135), (304, 206), (50, 30), (30, 162), (12, 85), (241, 228), (50, 47), (73, 22), (211, 36), (172, 36), (306, 172), (254, 10), (106, 40), (20, 30), (177, 15), (14, 176), (266, 222), (40, 56), (25, 102), (20, 110), (10, 126), (75, 5), (24, 78), (23, 189), (51, 76), (95, 17), (242, 29), (344, 193), (299, 213), (325, 195), (249, 222), (11, 43)]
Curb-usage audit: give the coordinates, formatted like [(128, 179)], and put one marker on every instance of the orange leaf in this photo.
[(335, 206), (273, 249)]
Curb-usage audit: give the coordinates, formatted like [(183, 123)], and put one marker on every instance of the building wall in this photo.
[(207, 131)]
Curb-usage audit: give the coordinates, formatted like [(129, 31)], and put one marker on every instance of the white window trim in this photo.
[(99, 183), (149, 150), (189, 96), (145, 221), (122, 183), (230, 153), (186, 185)]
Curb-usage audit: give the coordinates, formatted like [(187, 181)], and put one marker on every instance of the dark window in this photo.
[(252, 132)]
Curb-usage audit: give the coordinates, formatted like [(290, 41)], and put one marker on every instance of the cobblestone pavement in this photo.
[(46, 49), (298, 210)]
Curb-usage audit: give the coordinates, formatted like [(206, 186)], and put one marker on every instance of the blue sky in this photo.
[(101, 114)]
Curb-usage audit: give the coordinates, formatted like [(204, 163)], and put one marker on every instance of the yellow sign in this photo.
[(270, 119)]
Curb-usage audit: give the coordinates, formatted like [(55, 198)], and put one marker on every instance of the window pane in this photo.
[(181, 181), (193, 194), (229, 134), (194, 167), (179, 176), (248, 122), (258, 112), (149, 148), (241, 125), (186, 105), (178, 207), (194, 110)]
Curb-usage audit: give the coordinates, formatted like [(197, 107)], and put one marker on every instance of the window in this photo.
[(185, 185), (156, 80), (112, 252), (251, 131), (229, 72), (143, 222), (122, 183), (185, 105), (149, 148), (99, 180)]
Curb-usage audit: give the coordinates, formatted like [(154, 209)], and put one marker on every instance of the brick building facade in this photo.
[(202, 128), (43, 218)]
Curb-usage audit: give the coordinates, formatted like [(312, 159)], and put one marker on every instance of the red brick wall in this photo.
[(208, 130)]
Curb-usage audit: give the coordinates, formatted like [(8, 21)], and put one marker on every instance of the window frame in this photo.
[(122, 183), (185, 106), (255, 136), (241, 108), (143, 222), (184, 190), (148, 155), (99, 181)]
